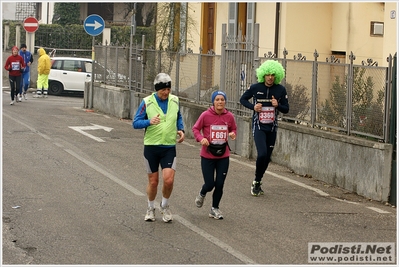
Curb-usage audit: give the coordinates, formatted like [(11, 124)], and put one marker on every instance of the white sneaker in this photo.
[(150, 215), (167, 215), (25, 97), (12, 102), (20, 99), (199, 200), (216, 214)]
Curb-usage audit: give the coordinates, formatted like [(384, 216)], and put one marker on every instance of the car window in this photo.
[(72, 65), (57, 65)]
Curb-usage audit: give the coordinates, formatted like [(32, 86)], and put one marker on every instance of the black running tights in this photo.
[(209, 167), (15, 84), (264, 142)]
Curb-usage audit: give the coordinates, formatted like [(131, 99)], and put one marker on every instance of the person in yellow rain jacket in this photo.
[(43, 70)]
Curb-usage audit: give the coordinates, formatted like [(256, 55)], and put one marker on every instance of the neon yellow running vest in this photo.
[(165, 132)]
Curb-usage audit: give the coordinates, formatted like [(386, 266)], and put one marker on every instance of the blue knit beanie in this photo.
[(218, 93)]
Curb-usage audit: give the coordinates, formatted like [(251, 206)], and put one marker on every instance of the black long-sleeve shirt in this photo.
[(260, 93)]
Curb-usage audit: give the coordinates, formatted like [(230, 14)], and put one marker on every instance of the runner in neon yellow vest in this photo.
[(159, 114)]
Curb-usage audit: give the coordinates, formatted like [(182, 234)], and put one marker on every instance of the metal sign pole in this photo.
[(132, 33), (29, 42), (92, 72), (93, 25)]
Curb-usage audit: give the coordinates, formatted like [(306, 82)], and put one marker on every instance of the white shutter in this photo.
[(250, 21), (232, 28)]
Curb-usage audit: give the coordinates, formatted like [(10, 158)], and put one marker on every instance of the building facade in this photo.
[(333, 29), (368, 29)]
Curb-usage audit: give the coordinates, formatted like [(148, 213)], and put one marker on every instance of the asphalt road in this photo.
[(78, 197)]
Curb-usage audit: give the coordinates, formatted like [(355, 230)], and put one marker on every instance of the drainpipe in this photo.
[(48, 12), (277, 29)]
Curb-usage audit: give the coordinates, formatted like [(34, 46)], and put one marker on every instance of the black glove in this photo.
[(9, 69), (21, 70)]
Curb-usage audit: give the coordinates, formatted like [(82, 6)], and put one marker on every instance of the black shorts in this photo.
[(158, 155)]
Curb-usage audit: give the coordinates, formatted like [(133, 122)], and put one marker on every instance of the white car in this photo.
[(69, 74)]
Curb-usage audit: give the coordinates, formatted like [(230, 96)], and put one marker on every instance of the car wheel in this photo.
[(55, 88)]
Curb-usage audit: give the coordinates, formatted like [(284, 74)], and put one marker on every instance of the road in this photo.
[(76, 195)]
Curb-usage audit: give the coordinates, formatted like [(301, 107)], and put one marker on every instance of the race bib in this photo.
[(266, 115), (219, 134), (15, 65)]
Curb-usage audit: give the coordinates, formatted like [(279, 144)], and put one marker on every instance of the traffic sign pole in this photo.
[(93, 25), (93, 53), (29, 42)]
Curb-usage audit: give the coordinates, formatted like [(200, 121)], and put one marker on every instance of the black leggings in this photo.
[(264, 142), (209, 166), (15, 84)]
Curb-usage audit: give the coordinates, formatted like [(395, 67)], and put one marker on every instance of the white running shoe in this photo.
[(150, 215), (167, 215), (216, 214), (199, 200), (12, 102), (19, 98), (25, 97)]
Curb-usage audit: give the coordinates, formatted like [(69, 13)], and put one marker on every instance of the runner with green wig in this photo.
[(270, 67), (269, 97)]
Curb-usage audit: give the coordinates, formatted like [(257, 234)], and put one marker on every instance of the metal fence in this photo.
[(342, 97), (348, 98)]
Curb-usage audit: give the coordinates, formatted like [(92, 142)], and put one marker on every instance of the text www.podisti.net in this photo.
[(347, 252)]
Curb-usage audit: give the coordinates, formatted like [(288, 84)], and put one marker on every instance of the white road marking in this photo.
[(105, 173), (378, 210), (214, 240), (82, 129), (346, 201)]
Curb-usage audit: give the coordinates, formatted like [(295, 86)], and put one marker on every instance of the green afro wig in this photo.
[(270, 67)]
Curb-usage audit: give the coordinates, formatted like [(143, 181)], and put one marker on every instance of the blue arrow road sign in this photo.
[(94, 25)]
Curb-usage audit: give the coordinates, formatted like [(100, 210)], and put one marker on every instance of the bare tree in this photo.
[(173, 26), (145, 13)]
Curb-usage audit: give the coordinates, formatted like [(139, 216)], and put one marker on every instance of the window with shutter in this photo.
[(250, 20), (233, 12)]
